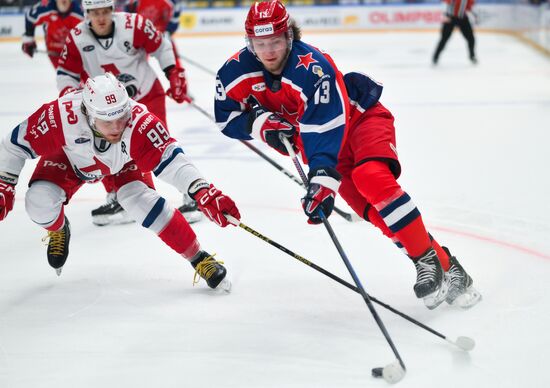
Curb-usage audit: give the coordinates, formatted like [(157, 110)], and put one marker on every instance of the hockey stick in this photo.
[(347, 216), (198, 65), (48, 52), (464, 343), (395, 371)]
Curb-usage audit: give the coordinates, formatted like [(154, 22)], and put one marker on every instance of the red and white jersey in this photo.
[(124, 55), (458, 8), (60, 126)]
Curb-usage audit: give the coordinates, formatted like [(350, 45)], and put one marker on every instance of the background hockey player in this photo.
[(341, 129), (457, 13), (99, 131), (57, 17), (165, 17), (120, 43)]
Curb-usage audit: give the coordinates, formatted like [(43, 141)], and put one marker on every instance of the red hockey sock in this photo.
[(442, 255), (109, 183), (59, 222), (179, 236), (376, 183)]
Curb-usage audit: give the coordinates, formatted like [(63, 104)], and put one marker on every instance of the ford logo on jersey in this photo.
[(81, 140), (88, 48), (266, 29)]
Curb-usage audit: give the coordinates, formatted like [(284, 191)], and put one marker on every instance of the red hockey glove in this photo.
[(213, 203), (29, 45), (269, 127), (178, 84), (7, 195), (321, 191)]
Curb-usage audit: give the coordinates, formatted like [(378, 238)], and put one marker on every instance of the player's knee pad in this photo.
[(145, 205), (375, 181), (44, 202)]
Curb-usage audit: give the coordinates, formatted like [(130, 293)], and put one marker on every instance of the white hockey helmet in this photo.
[(105, 98), (94, 4)]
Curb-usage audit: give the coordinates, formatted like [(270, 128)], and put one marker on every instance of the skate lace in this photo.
[(456, 276), (55, 242), (425, 267), (205, 268)]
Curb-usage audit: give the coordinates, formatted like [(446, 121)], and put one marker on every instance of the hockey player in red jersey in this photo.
[(163, 13), (165, 16), (96, 132), (279, 86), (57, 17), (457, 14), (95, 46)]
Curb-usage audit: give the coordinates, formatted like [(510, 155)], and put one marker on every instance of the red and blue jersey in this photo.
[(310, 93), (56, 24)]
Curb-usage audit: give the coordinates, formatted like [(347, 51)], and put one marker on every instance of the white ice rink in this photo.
[(473, 144)]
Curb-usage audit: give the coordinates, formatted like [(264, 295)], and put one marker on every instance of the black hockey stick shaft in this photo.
[(198, 65), (345, 258), (332, 276), (343, 214)]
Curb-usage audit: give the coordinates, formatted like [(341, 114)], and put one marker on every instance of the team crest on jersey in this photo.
[(316, 69), (260, 87), (305, 60), (106, 43), (88, 48)]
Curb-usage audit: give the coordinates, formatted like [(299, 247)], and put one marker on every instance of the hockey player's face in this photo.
[(63, 5), (112, 130), (272, 52), (101, 20)]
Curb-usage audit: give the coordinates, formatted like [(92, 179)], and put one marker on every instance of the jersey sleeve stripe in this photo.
[(330, 125), (62, 71), (232, 115), (165, 163), (21, 142)]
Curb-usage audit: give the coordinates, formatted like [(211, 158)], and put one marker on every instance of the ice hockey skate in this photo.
[(212, 271), (190, 210), (58, 247), (461, 290), (430, 285), (110, 213)]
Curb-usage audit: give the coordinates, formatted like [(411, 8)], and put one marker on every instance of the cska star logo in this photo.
[(292, 117), (235, 57), (305, 60)]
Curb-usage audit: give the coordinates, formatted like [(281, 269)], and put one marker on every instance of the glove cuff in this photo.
[(257, 126), (325, 176), (8, 178), (197, 186)]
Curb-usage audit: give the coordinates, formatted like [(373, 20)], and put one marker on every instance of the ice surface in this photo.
[(473, 144)]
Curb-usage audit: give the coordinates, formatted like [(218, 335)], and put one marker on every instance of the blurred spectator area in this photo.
[(10, 6)]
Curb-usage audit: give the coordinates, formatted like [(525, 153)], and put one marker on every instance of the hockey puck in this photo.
[(377, 372)]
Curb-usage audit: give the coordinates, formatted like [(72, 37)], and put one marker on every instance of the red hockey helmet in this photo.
[(266, 18)]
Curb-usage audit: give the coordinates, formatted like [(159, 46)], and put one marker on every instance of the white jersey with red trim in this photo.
[(124, 54), (60, 126)]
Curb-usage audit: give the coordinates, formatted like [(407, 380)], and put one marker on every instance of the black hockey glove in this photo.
[(321, 191), (269, 127)]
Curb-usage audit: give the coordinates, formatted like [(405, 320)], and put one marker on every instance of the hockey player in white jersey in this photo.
[(99, 131), (120, 43)]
